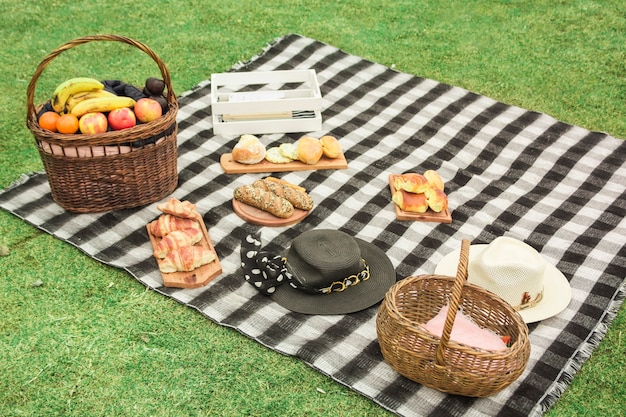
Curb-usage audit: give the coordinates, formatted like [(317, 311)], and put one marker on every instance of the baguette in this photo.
[(286, 183), (264, 200), (297, 198)]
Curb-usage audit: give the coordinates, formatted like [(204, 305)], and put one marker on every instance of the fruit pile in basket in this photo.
[(86, 105)]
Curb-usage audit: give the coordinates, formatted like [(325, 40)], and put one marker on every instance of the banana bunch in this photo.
[(100, 104), (74, 99), (82, 95), (70, 87)]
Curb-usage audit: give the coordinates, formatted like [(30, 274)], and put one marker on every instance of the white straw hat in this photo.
[(518, 274)]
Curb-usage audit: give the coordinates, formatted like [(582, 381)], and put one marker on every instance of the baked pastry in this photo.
[(166, 223), (437, 199), (186, 259), (330, 146), (177, 239), (299, 199), (275, 156), (289, 150), (177, 208), (285, 183), (249, 150), (434, 179), (411, 182), (309, 150), (414, 203), (263, 200)]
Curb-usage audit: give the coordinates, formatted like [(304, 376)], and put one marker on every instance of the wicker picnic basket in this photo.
[(441, 363), (112, 170)]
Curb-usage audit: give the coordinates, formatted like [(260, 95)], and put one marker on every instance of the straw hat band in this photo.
[(530, 303)]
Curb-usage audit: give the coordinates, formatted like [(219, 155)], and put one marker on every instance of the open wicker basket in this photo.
[(112, 170), (441, 363)]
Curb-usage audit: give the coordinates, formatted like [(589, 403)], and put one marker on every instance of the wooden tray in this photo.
[(231, 167), (199, 276), (443, 216), (259, 217)]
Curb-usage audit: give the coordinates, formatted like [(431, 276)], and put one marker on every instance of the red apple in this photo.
[(93, 123), (122, 118), (147, 110)]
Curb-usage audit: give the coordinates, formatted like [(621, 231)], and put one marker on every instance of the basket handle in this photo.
[(30, 92), (459, 282)]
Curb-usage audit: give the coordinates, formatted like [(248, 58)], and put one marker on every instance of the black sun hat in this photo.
[(323, 272)]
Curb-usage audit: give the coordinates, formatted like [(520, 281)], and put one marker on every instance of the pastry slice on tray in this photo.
[(419, 197), (182, 247)]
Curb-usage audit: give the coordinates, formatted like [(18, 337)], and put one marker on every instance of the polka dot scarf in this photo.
[(261, 269)]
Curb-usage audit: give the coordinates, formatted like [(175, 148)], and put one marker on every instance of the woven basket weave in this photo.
[(140, 165), (441, 363)]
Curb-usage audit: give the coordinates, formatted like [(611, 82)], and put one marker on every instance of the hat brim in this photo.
[(356, 298), (557, 292)]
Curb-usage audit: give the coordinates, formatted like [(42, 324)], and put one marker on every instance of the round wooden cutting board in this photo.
[(259, 217)]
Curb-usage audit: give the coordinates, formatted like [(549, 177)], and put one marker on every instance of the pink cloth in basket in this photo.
[(465, 331)]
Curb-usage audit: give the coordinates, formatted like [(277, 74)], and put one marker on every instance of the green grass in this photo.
[(80, 338)]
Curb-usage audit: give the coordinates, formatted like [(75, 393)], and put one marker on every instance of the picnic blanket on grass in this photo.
[(508, 171)]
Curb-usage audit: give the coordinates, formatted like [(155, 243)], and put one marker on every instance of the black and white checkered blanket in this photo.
[(508, 171)]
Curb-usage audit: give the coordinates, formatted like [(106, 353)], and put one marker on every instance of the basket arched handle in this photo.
[(455, 298), (30, 92)]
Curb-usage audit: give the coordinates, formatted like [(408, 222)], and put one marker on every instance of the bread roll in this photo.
[(309, 150), (249, 150), (275, 156), (415, 203), (330, 147), (289, 150), (437, 199), (434, 179), (411, 182)]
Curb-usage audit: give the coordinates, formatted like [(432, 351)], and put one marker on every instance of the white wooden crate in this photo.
[(266, 102)]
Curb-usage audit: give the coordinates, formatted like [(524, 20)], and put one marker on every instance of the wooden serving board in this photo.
[(232, 167), (259, 217), (443, 216), (199, 276)]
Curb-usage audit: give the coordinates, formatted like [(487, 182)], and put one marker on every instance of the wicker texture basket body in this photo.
[(441, 363), (117, 169)]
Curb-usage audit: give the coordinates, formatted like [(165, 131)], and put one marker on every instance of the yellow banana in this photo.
[(101, 104), (74, 99), (72, 86)]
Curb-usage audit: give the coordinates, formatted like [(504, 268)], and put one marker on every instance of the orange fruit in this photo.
[(67, 123), (48, 120)]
